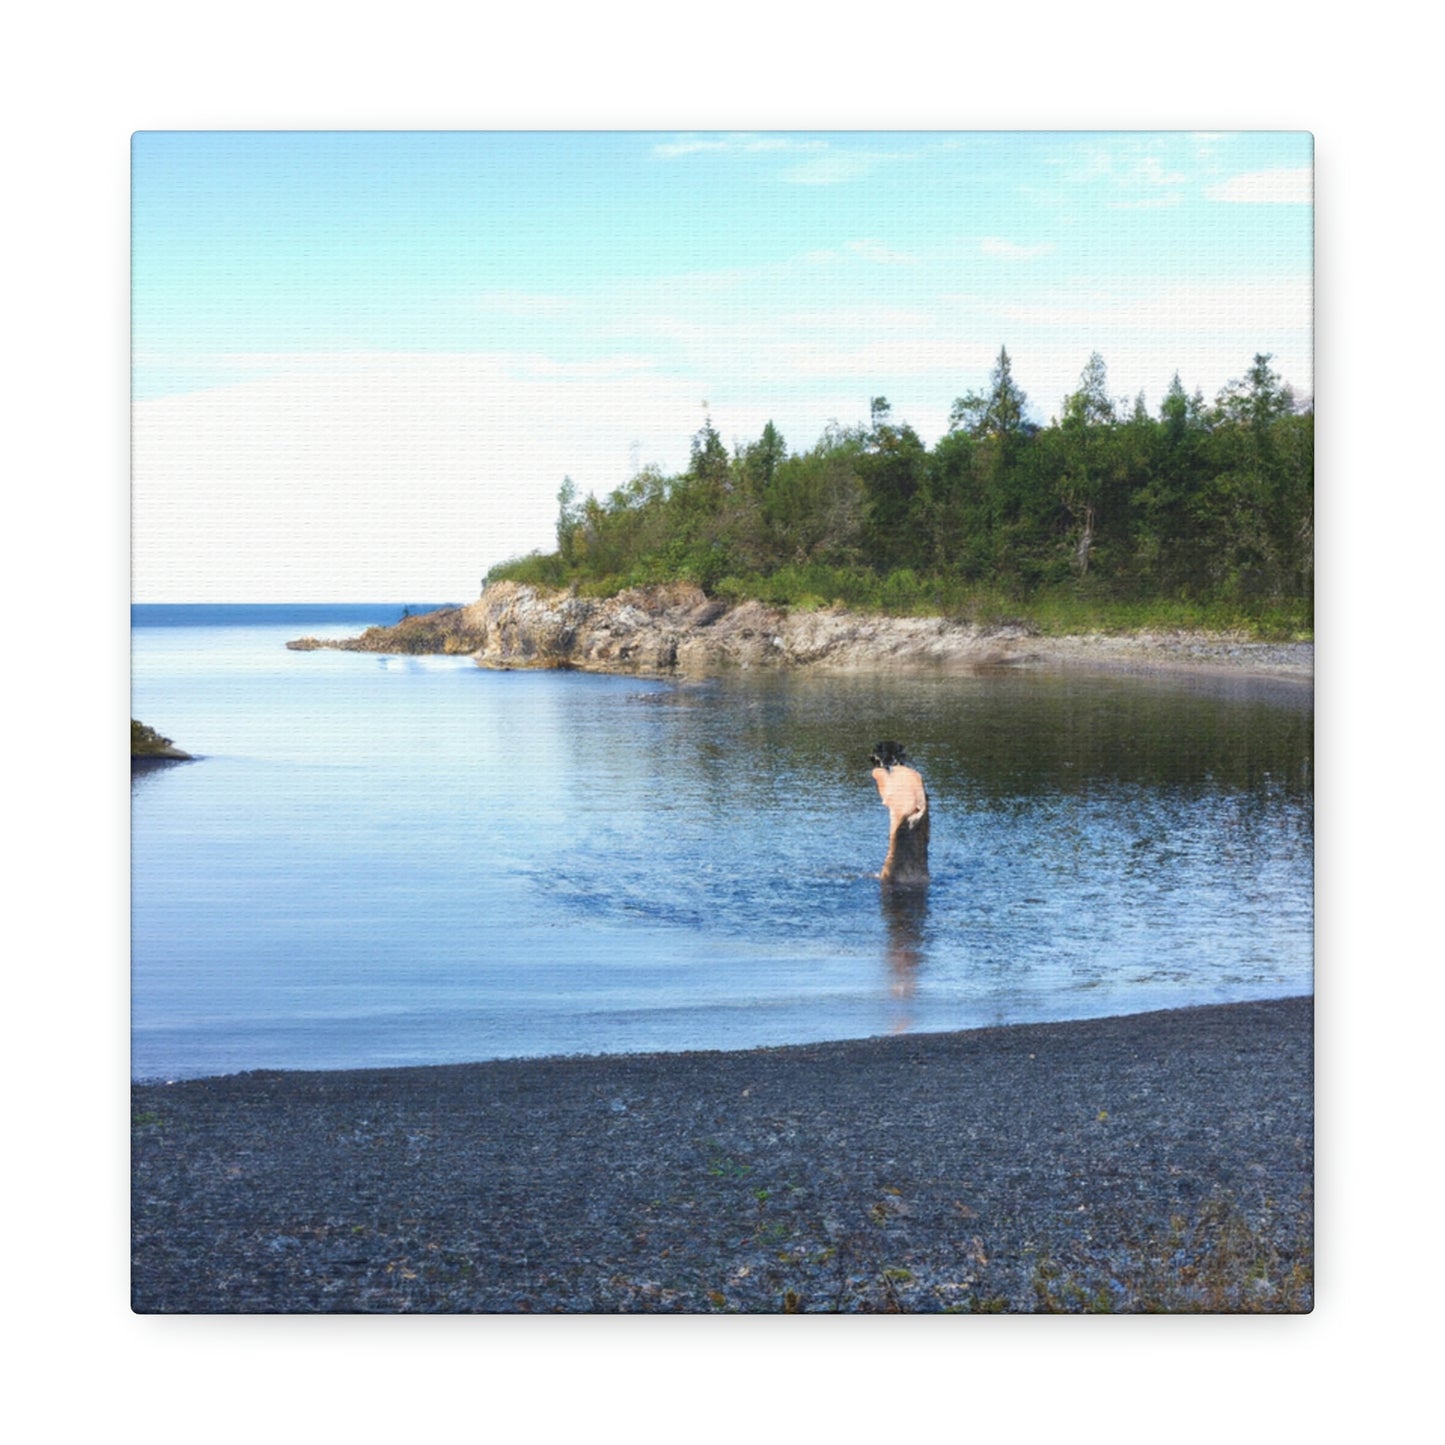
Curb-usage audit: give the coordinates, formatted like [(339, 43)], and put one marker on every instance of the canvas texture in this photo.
[(722, 722)]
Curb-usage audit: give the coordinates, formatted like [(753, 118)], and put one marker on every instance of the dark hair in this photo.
[(887, 755)]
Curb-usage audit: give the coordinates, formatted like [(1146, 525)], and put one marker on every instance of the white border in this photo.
[(86, 82)]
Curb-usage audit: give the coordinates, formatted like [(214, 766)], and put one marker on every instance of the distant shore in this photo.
[(148, 746), (676, 630), (1157, 1161), (1193, 652)]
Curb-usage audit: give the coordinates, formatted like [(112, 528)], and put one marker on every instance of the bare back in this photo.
[(901, 791)]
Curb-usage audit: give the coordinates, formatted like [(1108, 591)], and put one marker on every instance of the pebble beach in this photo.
[(1157, 1162)]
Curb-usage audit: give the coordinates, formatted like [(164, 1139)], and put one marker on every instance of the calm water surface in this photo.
[(386, 860)]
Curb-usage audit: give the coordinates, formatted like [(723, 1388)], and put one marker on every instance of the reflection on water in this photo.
[(147, 770), (377, 864), (905, 911)]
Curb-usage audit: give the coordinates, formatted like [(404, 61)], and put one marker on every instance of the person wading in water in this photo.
[(901, 790)]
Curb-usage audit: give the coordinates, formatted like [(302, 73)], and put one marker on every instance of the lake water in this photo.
[(387, 860)]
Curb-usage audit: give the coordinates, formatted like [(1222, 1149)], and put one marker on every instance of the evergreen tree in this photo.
[(760, 460), (892, 470), (1088, 416), (815, 503), (569, 521), (1174, 412), (999, 411), (1214, 503), (709, 458)]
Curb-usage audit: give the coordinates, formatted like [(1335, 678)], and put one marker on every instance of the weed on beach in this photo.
[(1217, 1261)]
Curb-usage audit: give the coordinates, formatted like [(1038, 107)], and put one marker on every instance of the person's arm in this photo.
[(880, 776)]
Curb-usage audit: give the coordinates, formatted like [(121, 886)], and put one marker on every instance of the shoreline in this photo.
[(1022, 1167), (675, 630), (602, 1060), (1200, 655)]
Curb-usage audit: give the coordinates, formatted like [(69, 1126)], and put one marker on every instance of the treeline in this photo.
[(1210, 505)]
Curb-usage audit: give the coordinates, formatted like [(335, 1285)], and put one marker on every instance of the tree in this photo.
[(1168, 551), (569, 521), (1207, 502), (999, 412), (893, 469), (760, 460), (814, 503), (709, 458), (1090, 404), (1256, 506), (953, 509), (1258, 401), (1088, 415), (1174, 412), (995, 484), (756, 466)]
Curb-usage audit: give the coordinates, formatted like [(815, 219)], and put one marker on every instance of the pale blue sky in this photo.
[(364, 361)]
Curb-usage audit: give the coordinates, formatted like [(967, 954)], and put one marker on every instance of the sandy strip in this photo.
[(1197, 654), (1160, 1161)]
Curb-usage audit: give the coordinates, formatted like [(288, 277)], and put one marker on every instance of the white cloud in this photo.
[(1147, 203), (1130, 169), (1150, 171), (865, 249), (870, 250), (1243, 309), (737, 142), (1294, 187), (1207, 333), (880, 359), (687, 147), (742, 328), (1011, 250), (523, 303), (386, 476), (403, 476), (547, 367), (834, 321), (835, 167)]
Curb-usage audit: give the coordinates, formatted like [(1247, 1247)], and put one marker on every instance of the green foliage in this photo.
[(1109, 518), (146, 742), (537, 569), (1218, 1260), (999, 412)]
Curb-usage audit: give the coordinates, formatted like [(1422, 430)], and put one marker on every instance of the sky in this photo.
[(364, 362)]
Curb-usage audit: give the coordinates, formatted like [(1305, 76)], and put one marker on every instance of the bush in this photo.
[(536, 569)]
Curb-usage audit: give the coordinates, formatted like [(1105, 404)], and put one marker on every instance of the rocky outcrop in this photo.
[(146, 743), (448, 631), (677, 630), (641, 630), (673, 629)]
